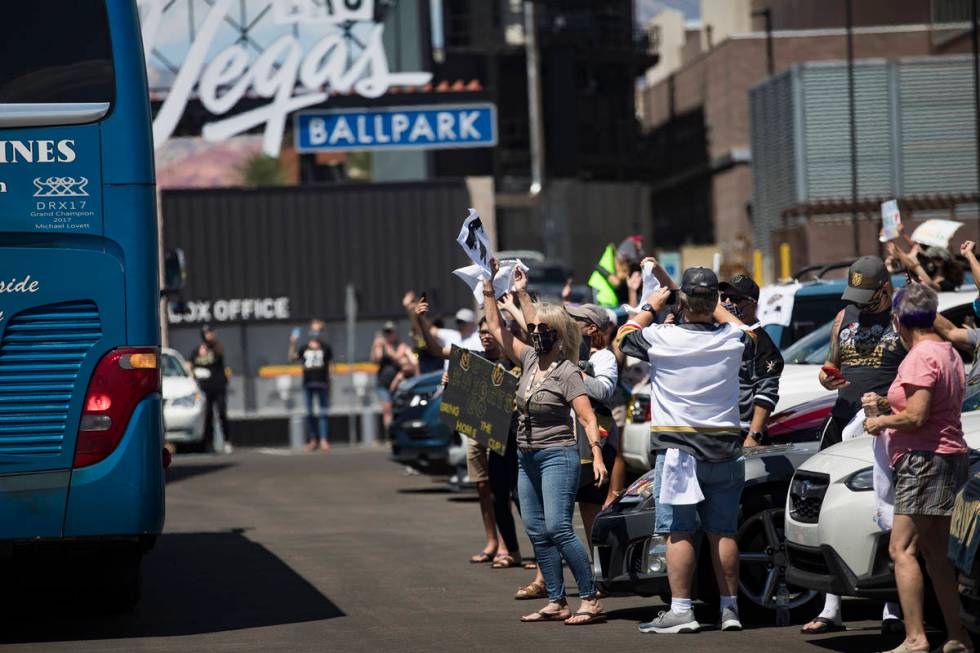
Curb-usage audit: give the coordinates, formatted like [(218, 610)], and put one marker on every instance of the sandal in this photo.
[(532, 591), (593, 618), (481, 558), (541, 615), (504, 562), (530, 565), (826, 626)]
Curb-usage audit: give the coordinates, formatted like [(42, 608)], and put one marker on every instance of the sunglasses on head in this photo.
[(539, 327)]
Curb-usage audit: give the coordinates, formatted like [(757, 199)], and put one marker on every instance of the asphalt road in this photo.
[(265, 551)]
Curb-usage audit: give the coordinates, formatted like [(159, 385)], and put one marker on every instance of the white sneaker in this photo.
[(228, 448), (729, 620)]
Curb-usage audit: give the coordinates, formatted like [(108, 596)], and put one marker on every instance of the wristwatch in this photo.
[(647, 308), (756, 435)]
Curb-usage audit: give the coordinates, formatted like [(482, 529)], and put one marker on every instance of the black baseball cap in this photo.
[(699, 281), (741, 285), (865, 277)]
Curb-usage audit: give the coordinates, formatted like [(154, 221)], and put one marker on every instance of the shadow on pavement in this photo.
[(425, 490), (176, 473), (193, 583)]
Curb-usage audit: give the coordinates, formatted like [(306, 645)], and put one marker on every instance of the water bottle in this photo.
[(782, 604)]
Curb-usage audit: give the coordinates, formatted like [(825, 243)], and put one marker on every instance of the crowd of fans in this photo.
[(714, 377)]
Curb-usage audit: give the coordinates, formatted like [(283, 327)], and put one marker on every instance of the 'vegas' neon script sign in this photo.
[(289, 53)]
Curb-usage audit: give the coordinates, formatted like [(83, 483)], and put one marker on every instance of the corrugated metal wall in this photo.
[(938, 131), (307, 243), (827, 153), (774, 165), (915, 134)]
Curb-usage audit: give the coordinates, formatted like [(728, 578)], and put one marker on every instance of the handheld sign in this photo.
[(890, 220), (479, 399), (474, 240)]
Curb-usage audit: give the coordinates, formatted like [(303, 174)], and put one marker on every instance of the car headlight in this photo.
[(419, 400), (655, 559), (187, 401), (861, 481)]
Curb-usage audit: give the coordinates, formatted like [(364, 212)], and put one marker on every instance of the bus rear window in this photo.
[(52, 51)]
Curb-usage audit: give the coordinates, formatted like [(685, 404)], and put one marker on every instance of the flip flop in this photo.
[(561, 615), (826, 626), (504, 562), (593, 618), (481, 558)]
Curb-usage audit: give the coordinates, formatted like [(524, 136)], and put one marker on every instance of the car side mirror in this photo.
[(174, 272)]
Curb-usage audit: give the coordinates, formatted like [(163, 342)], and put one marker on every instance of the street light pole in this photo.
[(976, 85), (770, 59), (853, 126)]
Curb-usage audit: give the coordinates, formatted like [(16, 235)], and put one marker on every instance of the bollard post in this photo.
[(757, 267), (297, 431), (784, 261), (369, 430)]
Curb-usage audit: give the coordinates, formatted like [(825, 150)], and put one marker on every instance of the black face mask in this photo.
[(544, 342), (585, 349)]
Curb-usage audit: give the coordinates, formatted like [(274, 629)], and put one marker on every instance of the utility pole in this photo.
[(853, 126), (770, 58), (534, 97), (976, 86)]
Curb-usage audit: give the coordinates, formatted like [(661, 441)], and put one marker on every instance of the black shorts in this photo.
[(587, 491)]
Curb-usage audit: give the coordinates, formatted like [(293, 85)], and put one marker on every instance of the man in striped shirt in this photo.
[(694, 373)]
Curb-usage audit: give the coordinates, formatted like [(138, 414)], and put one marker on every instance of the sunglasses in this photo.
[(539, 327), (735, 298)]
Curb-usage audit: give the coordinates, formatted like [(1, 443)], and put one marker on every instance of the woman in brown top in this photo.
[(550, 388)]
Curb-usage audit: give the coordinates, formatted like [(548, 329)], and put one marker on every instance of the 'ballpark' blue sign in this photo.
[(397, 128)]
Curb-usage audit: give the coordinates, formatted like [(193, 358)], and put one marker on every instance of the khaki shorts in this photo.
[(476, 461), (926, 483)]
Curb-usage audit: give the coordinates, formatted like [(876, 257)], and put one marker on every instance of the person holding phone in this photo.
[(207, 363), (864, 356)]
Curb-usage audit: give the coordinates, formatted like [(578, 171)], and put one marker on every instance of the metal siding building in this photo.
[(308, 243), (915, 134)]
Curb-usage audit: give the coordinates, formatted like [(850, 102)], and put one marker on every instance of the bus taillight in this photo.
[(122, 379)]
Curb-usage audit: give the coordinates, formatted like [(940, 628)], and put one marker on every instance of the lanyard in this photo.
[(533, 386)]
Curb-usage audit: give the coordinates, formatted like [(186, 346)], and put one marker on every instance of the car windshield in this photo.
[(547, 274), (171, 367), (811, 349)]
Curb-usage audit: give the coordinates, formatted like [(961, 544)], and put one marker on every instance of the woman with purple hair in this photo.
[(924, 436)]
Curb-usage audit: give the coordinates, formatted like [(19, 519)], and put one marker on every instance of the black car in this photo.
[(964, 542), (419, 438), (629, 558)]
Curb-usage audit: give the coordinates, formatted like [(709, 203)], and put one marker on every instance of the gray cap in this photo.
[(589, 313), (388, 326), (865, 277), (465, 315)]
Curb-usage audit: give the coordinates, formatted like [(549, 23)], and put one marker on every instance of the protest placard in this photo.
[(474, 240), (935, 233), (890, 221), (479, 399)]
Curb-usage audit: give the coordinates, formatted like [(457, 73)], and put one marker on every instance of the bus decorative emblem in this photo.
[(61, 187)]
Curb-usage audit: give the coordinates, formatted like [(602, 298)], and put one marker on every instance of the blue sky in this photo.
[(647, 9)]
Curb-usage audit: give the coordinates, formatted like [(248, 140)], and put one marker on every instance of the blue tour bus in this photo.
[(80, 416)]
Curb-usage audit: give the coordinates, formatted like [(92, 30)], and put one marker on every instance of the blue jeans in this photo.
[(322, 395), (546, 484), (721, 483)]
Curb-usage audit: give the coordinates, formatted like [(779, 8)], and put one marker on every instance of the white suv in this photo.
[(832, 541)]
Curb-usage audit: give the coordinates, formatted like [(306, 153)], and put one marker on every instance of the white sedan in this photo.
[(183, 402)]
